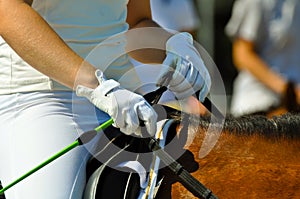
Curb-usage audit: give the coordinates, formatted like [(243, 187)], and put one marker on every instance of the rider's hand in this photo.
[(190, 74), (126, 108)]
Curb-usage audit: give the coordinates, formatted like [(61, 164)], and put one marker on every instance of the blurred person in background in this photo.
[(266, 48)]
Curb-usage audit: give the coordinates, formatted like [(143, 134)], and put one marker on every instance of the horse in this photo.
[(256, 156)]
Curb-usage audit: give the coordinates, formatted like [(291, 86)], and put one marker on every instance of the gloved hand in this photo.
[(190, 73), (126, 108)]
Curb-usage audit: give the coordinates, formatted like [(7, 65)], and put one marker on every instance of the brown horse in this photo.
[(255, 157)]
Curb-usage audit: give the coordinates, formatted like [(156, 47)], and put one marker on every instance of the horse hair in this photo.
[(281, 126)]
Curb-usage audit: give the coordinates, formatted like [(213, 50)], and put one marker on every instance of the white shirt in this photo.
[(83, 25), (274, 27)]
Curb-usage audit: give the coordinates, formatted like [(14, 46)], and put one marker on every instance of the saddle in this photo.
[(125, 167)]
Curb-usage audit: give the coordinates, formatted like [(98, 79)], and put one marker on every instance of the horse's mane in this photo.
[(286, 125)]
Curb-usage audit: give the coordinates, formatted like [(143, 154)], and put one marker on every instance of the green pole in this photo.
[(54, 157), (104, 125)]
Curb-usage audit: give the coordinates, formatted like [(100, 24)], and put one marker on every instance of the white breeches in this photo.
[(35, 126)]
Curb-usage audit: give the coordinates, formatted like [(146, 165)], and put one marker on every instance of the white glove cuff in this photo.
[(105, 85), (108, 85)]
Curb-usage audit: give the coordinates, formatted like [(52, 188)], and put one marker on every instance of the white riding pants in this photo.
[(35, 126)]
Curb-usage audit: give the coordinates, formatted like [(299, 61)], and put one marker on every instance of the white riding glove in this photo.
[(190, 74), (126, 108)]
